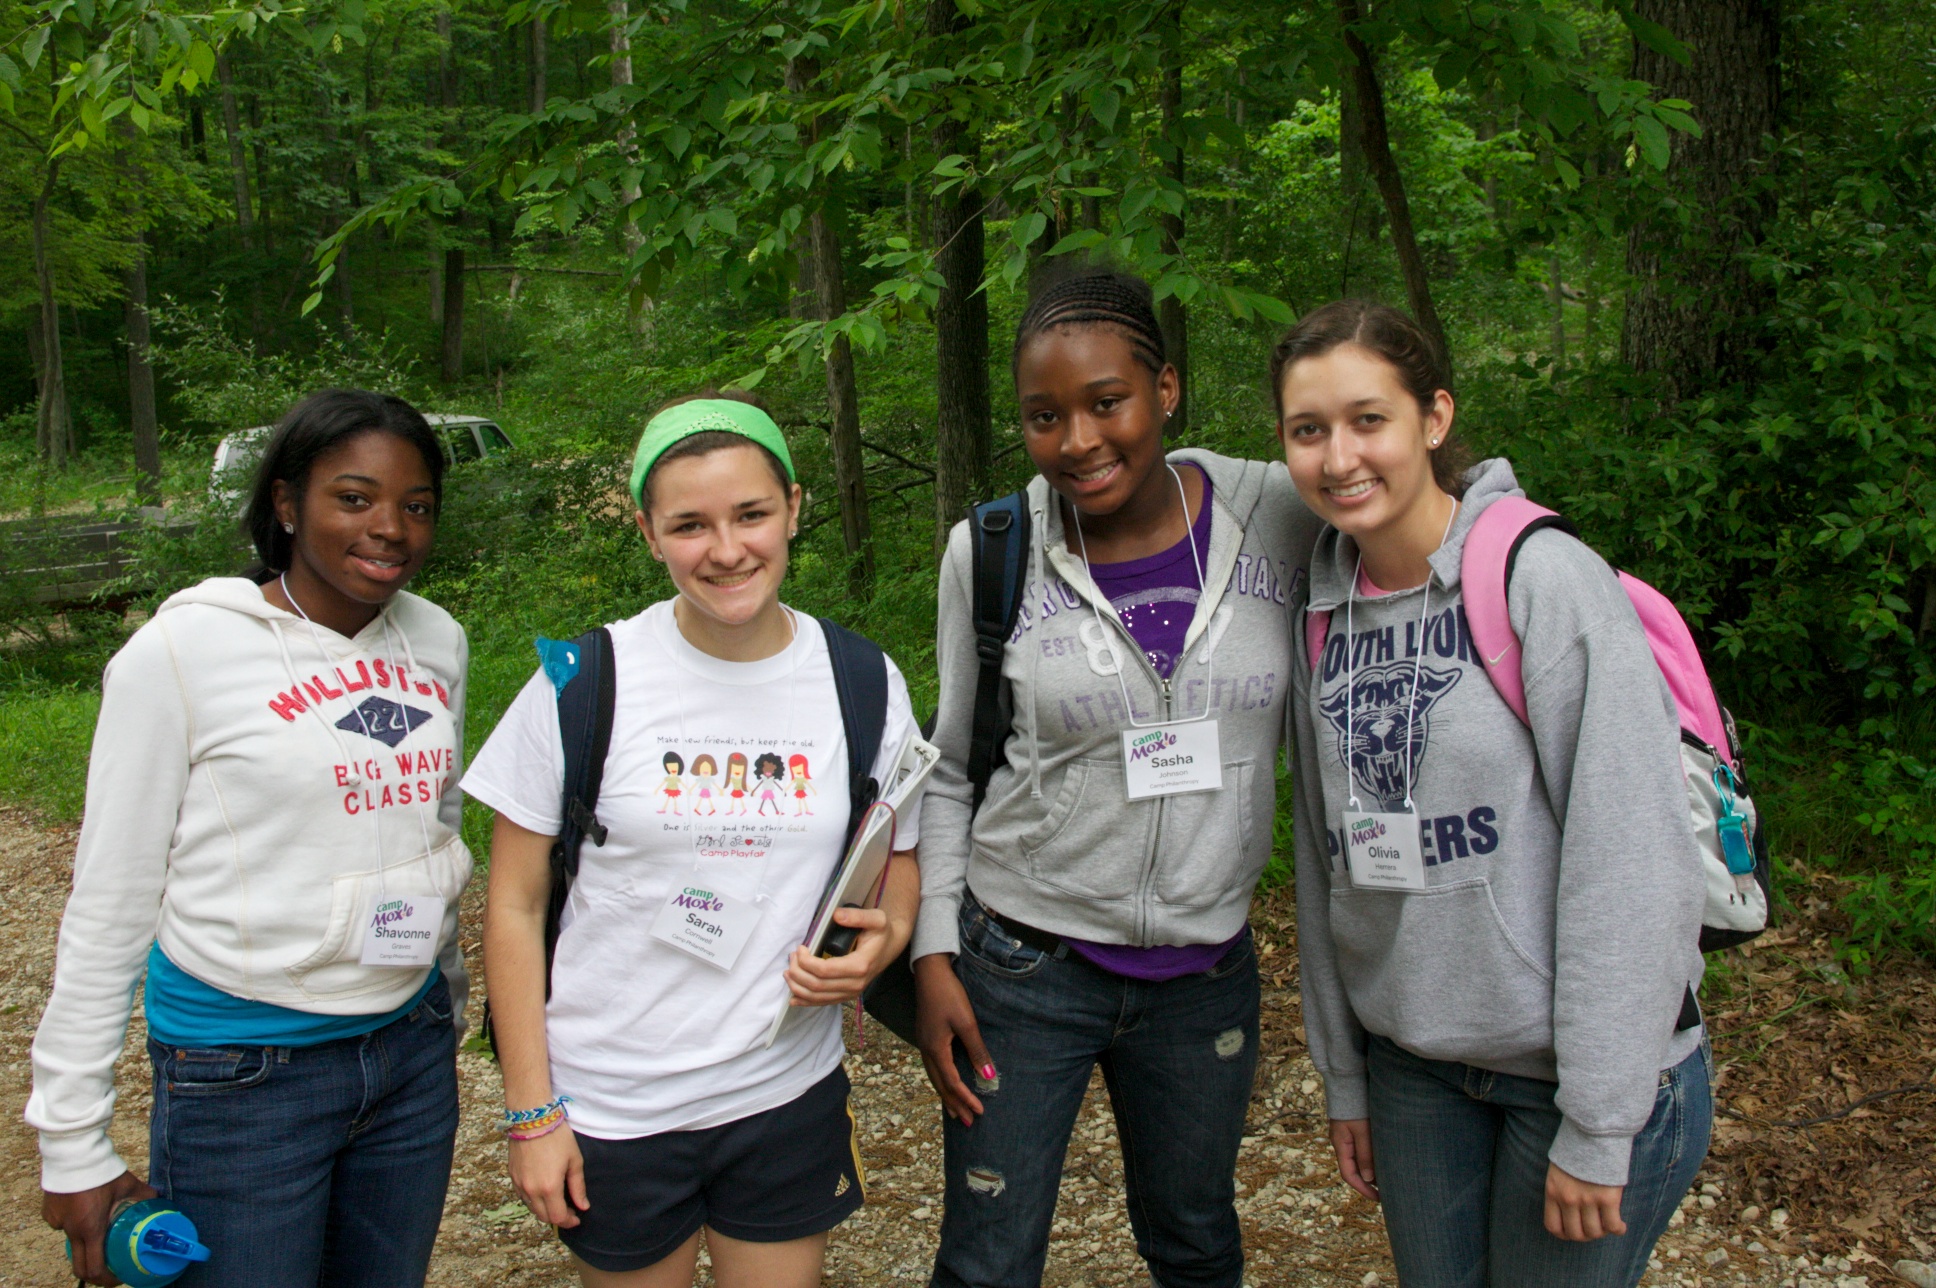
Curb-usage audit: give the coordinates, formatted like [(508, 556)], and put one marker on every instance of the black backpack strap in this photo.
[(860, 678), (998, 534), (585, 705)]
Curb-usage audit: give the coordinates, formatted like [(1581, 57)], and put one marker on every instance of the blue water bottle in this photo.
[(150, 1244)]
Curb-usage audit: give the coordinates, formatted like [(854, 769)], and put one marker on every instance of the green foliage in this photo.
[(227, 383)]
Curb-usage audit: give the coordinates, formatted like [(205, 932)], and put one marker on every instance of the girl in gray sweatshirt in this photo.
[(1497, 921), (1093, 912)]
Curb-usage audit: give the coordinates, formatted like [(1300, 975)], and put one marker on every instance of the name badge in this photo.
[(404, 931), (1383, 851), (709, 924), (1166, 760)]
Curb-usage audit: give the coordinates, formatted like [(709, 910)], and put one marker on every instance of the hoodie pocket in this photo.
[(1439, 972), (334, 967), (1210, 842), (1093, 840)]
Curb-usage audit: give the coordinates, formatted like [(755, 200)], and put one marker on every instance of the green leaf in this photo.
[(1025, 230), (35, 42), (309, 305), (202, 59), (677, 140), (10, 74), (722, 218), (1104, 105), (1651, 135)]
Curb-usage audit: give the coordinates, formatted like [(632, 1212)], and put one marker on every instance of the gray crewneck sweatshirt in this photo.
[(1057, 843), (1559, 925)]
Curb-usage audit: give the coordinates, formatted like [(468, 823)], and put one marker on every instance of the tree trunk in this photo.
[(1384, 172), (53, 425), (436, 276), (141, 383), (843, 396), (261, 175), (1691, 309), (539, 57), (620, 11), (198, 130), (1171, 312), (453, 352), (963, 438), (238, 167), (843, 408), (446, 76), (1556, 296)]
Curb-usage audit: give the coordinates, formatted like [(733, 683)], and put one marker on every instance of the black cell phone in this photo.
[(839, 940)]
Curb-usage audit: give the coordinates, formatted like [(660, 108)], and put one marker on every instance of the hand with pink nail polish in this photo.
[(943, 1015)]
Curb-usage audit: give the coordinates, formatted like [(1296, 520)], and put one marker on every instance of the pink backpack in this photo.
[(1727, 827)]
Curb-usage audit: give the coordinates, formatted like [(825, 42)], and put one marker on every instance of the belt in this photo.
[(1040, 940)]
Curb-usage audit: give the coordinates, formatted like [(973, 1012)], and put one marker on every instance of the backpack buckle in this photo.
[(587, 823), (988, 648)]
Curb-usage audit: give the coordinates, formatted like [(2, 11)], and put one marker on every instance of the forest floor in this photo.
[(1838, 1203)]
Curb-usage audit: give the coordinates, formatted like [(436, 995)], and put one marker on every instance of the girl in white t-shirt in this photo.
[(681, 1117)]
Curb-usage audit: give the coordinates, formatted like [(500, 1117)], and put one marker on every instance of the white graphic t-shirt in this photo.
[(732, 773)]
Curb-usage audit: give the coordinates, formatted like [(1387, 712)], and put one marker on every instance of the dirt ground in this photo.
[(1837, 1203)]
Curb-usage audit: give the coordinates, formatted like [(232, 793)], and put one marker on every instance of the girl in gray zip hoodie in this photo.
[(1497, 922), (1077, 919)]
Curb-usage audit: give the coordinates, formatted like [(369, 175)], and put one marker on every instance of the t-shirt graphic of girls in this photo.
[(705, 783), (735, 789), (802, 784), (767, 770), (672, 786)]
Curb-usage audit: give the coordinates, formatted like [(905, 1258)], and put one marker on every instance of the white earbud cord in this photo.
[(1196, 566), (1418, 663)]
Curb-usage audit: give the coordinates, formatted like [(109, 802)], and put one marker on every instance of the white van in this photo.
[(465, 438)]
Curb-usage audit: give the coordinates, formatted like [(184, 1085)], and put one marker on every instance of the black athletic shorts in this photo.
[(785, 1173)]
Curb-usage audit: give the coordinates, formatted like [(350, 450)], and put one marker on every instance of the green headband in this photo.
[(725, 415)]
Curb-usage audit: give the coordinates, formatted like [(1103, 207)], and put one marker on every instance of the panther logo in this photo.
[(1379, 697)]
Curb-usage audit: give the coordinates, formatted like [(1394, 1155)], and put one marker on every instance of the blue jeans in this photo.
[(319, 1165), (1178, 1058), (1460, 1155)]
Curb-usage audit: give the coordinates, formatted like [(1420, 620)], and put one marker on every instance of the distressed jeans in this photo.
[(317, 1165), (1178, 1058), (1461, 1164)]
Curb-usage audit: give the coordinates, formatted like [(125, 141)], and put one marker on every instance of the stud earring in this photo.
[(290, 528)]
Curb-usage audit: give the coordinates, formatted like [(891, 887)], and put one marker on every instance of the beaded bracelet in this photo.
[(551, 1114)]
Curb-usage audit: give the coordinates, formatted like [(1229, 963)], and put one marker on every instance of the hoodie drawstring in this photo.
[(1041, 537)]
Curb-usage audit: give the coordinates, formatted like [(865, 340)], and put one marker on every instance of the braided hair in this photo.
[(1096, 297)]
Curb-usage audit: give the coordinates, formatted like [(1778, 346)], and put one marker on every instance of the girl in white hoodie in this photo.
[(272, 837)]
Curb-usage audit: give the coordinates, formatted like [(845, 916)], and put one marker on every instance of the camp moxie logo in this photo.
[(703, 900), (386, 721), (1371, 719), (1366, 830), (1149, 744)]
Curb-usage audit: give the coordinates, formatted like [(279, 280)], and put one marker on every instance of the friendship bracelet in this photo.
[(519, 1118), (532, 1133)]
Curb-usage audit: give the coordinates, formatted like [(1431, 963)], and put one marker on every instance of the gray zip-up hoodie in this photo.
[(1558, 928), (1057, 843)]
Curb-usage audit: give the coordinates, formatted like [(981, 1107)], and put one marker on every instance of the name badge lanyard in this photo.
[(1164, 756), (400, 932), (1381, 848), (702, 918)]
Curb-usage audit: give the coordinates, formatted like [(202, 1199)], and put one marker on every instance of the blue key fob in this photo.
[(1735, 849)]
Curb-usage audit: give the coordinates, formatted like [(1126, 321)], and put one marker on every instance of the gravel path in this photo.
[(1301, 1227)]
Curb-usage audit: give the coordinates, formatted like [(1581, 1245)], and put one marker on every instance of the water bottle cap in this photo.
[(165, 1244)]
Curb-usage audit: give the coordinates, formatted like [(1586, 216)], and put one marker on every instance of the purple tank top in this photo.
[(1156, 596)]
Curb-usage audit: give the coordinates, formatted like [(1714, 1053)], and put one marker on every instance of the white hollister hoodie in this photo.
[(255, 783)]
